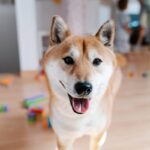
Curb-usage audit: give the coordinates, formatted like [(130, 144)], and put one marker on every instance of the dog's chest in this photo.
[(96, 123), (77, 125)]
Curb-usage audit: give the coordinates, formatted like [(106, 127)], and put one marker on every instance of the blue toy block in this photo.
[(3, 108), (49, 123)]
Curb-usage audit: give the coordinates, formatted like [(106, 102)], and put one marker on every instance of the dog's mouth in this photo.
[(79, 105)]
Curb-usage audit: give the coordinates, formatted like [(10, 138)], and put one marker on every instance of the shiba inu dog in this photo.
[(83, 78)]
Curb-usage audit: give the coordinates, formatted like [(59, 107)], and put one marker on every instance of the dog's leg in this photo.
[(65, 144), (97, 141)]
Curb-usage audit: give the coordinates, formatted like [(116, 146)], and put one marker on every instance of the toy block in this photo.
[(29, 102), (6, 81), (3, 108)]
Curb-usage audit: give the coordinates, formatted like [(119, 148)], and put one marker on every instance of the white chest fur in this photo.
[(67, 123)]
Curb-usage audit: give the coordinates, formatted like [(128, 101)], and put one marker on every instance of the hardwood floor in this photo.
[(130, 128)]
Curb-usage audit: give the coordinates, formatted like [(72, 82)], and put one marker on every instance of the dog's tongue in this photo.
[(80, 105)]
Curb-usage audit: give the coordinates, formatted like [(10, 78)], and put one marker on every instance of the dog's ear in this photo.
[(106, 33), (58, 31)]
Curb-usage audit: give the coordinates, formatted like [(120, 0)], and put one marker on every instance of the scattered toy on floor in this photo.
[(40, 74), (145, 74), (37, 110), (32, 117), (3, 108), (46, 123), (58, 2), (131, 74), (29, 102), (7, 81), (36, 114)]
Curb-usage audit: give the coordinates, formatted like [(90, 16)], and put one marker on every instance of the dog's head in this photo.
[(79, 67)]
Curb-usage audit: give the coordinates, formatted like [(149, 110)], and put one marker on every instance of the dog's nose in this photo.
[(83, 88)]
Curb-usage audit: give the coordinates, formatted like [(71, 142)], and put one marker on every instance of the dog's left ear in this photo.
[(58, 31), (106, 33)]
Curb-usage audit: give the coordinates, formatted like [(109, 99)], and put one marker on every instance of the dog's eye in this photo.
[(68, 60), (97, 61)]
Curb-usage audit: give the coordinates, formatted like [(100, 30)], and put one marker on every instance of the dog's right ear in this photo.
[(59, 30)]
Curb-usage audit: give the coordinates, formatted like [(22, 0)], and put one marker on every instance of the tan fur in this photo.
[(83, 44), (51, 94)]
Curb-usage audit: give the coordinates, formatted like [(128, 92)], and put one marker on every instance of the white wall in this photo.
[(95, 14), (27, 34), (104, 12), (72, 12), (84, 16), (33, 19), (91, 16), (44, 12)]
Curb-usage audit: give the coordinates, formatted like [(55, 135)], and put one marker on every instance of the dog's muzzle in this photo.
[(79, 104)]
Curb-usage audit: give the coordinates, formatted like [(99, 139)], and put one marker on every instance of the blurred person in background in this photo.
[(122, 30), (145, 9), (138, 30)]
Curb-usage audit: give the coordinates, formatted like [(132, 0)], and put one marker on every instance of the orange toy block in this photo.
[(131, 74), (6, 81)]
